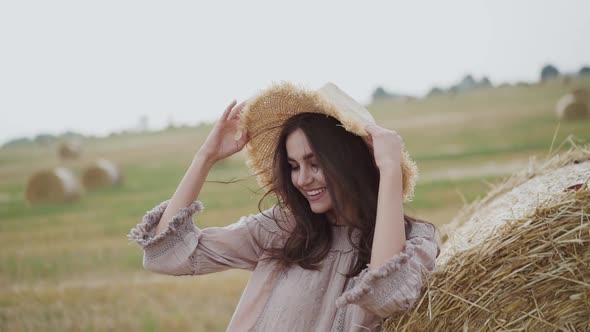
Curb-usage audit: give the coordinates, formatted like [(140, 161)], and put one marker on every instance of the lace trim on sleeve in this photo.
[(396, 283), (144, 232)]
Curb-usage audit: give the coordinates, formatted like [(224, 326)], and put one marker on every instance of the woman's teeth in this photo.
[(316, 192)]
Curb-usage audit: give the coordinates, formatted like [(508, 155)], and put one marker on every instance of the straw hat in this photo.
[(265, 114)]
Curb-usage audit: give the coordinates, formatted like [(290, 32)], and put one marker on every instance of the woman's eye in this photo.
[(313, 167)]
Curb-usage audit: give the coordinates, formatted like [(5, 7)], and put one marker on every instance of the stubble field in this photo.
[(69, 266)]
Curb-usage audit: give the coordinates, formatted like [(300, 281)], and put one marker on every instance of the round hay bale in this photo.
[(55, 185), (582, 94), (519, 259), (103, 173), (571, 108), (69, 150)]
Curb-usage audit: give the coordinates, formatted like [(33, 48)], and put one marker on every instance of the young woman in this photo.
[(336, 253)]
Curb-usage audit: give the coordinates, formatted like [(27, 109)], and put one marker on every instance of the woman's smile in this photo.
[(315, 195)]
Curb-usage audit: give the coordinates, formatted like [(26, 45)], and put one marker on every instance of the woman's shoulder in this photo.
[(274, 220)]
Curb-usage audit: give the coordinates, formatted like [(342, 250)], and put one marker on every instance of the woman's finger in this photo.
[(370, 129), (237, 110), (228, 110)]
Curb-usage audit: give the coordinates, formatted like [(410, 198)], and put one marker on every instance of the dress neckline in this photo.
[(340, 241)]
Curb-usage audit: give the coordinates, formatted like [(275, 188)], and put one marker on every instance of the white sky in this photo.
[(97, 66)]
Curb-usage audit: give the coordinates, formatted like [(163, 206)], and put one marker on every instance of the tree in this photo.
[(435, 91), (549, 72), (379, 93), (584, 71), (45, 139), (17, 142), (485, 82)]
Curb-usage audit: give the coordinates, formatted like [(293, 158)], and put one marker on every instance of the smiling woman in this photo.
[(337, 252)]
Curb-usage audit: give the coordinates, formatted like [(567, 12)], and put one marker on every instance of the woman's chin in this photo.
[(319, 209)]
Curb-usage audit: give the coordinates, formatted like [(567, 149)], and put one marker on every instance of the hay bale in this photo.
[(519, 259), (569, 107), (582, 94), (55, 185), (69, 150), (103, 173)]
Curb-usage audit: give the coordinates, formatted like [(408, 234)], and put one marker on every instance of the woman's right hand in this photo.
[(221, 142)]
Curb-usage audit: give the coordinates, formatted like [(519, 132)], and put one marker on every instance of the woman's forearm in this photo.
[(188, 189), (390, 234)]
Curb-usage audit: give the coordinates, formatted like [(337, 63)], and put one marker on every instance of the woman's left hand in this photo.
[(387, 146)]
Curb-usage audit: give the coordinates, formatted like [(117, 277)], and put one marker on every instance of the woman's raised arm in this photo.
[(220, 144), (174, 245)]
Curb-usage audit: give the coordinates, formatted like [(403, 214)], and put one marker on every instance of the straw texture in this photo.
[(264, 116), (517, 260)]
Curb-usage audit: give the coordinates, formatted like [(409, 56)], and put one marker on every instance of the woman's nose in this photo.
[(305, 177)]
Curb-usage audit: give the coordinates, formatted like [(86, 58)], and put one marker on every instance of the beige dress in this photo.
[(296, 299)]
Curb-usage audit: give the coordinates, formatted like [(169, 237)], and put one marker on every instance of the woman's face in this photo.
[(306, 174)]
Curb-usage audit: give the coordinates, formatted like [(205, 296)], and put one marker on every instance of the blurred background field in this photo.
[(69, 266)]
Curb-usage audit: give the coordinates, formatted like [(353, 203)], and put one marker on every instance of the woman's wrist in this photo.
[(203, 159), (391, 176)]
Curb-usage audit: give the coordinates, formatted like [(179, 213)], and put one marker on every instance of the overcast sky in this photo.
[(98, 66)]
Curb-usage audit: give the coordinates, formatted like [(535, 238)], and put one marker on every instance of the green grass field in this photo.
[(69, 266)]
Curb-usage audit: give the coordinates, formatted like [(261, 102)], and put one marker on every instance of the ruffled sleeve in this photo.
[(184, 249), (396, 285)]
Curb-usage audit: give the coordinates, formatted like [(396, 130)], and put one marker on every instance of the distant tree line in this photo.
[(43, 139), (549, 71), (381, 94), (468, 83)]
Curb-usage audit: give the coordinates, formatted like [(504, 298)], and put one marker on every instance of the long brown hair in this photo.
[(352, 178)]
